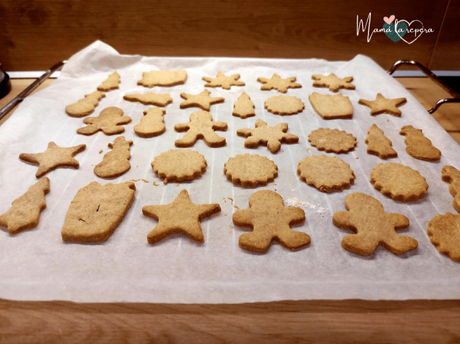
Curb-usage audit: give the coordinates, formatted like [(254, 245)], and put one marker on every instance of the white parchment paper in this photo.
[(37, 265)]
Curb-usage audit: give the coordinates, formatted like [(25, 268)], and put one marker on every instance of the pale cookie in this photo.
[(330, 106), (152, 123), (163, 78), (383, 105), (202, 100), (418, 146), (85, 106), (201, 126), (451, 175), (25, 210), (270, 220), (150, 98), (281, 85), (111, 83), (333, 82), (399, 182), (284, 105), (109, 121), (53, 157), (180, 216), (267, 135), (226, 82), (326, 173), (332, 140), (96, 211), (115, 162), (373, 226), (179, 165), (244, 107), (250, 170), (378, 144), (444, 233)]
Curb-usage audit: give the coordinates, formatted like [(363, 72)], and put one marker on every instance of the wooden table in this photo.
[(349, 321)]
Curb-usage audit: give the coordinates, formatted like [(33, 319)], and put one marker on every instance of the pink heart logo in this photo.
[(389, 20)]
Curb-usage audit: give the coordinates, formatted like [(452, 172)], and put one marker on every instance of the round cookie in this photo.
[(250, 170)]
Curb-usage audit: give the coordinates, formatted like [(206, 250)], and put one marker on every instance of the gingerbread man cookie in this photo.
[(418, 146), (226, 82), (201, 126), (281, 85), (108, 121), (332, 82), (451, 175)]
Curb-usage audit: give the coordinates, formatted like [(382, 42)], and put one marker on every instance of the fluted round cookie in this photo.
[(332, 140), (250, 170), (284, 105), (444, 233)]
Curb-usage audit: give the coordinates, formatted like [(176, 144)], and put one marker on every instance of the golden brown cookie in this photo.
[(96, 211), (284, 105), (111, 83), (180, 216), (85, 106), (326, 173), (163, 78), (378, 144), (152, 123), (333, 82), (330, 106), (250, 170), (383, 105), (179, 165), (270, 136), (150, 98), (109, 121), (451, 175), (281, 85), (201, 126), (444, 233), (53, 157), (399, 182), (202, 100), (332, 140), (373, 226), (270, 220), (418, 146), (115, 162), (226, 82), (25, 210), (244, 107)]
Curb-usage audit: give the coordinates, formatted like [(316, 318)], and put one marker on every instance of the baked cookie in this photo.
[(179, 165), (163, 78), (270, 220), (202, 100), (150, 98), (444, 233), (85, 106), (115, 162), (270, 136), (373, 226), (451, 175), (330, 106), (53, 157), (418, 146), (332, 140), (244, 107), (201, 126), (96, 211), (152, 123), (284, 105), (378, 144), (111, 83), (281, 85), (250, 170), (383, 105), (333, 82), (109, 121), (25, 210), (399, 182), (326, 173), (180, 216), (226, 82)]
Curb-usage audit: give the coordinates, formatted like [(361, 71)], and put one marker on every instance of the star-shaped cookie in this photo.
[(201, 100), (53, 157), (383, 105), (333, 82), (180, 216), (226, 82), (279, 84)]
